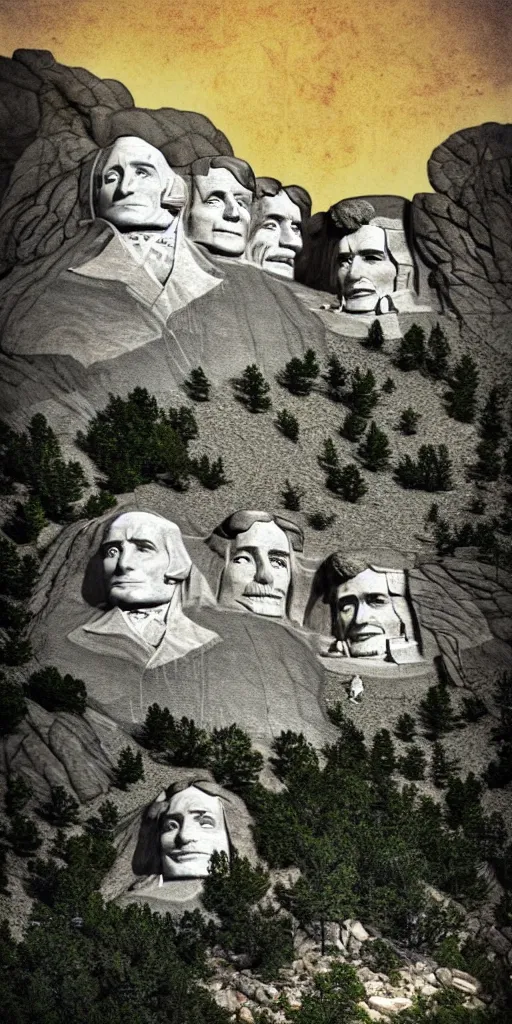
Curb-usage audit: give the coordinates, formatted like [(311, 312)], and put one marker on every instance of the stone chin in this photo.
[(228, 243), (361, 302), (186, 865), (283, 267), (374, 646), (271, 607)]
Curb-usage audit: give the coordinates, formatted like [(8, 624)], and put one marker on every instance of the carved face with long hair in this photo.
[(134, 187)]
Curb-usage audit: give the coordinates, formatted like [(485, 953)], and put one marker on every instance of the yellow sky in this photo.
[(345, 98)]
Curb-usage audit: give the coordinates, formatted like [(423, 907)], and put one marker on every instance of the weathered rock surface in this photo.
[(463, 230), (62, 749)]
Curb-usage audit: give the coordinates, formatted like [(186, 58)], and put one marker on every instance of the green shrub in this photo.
[(409, 419), (133, 441), (288, 424), (252, 389), (412, 765), (299, 375), (375, 337), (353, 426), (411, 353), (197, 385), (431, 472), (210, 474), (346, 483), (292, 496), (129, 768), (375, 450), (13, 706), (320, 520), (329, 458), (61, 809), (363, 396), (405, 728), (97, 504), (336, 378), (461, 399), (437, 354), (57, 693)]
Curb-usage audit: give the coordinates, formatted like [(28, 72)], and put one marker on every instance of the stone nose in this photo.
[(231, 208)]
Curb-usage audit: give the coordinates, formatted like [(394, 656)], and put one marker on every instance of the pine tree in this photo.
[(411, 354), (28, 521), (97, 504), (436, 712), (405, 728), (233, 761), (210, 474), (412, 765), (382, 756), (375, 337), (197, 385), (17, 794), (375, 450), (488, 465), (353, 426), (157, 728), (299, 375), (442, 768), (292, 497), (329, 458), (252, 389), (23, 835), (57, 693), (288, 424), (438, 353), (103, 824), (363, 395), (336, 378), (461, 399), (389, 386), (61, 809), (320, 520), (183, 421), (13, 706), (292, 753), (346, 483), (408, 423), (492, 426), (431, 472), (129, 768)]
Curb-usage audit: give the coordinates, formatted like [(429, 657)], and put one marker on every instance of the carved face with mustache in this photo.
[(258, 573)]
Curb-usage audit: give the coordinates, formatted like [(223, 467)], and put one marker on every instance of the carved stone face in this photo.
[(366, 615), (276, 234), (133, 181), (135, 562), (366, 271), (220, 214), (191, 831), (258, 574)]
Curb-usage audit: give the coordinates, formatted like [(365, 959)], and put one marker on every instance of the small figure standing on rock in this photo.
[(356, 690)]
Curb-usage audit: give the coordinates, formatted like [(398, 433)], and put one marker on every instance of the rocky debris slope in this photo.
[(243, 994)]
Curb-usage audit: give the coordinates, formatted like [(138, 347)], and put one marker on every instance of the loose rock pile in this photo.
[(243, 994)]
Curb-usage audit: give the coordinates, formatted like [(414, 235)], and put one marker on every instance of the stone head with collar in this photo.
[(144, 560), (133, 186)]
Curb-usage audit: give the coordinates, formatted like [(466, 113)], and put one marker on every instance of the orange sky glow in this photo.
[(345, 98)]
